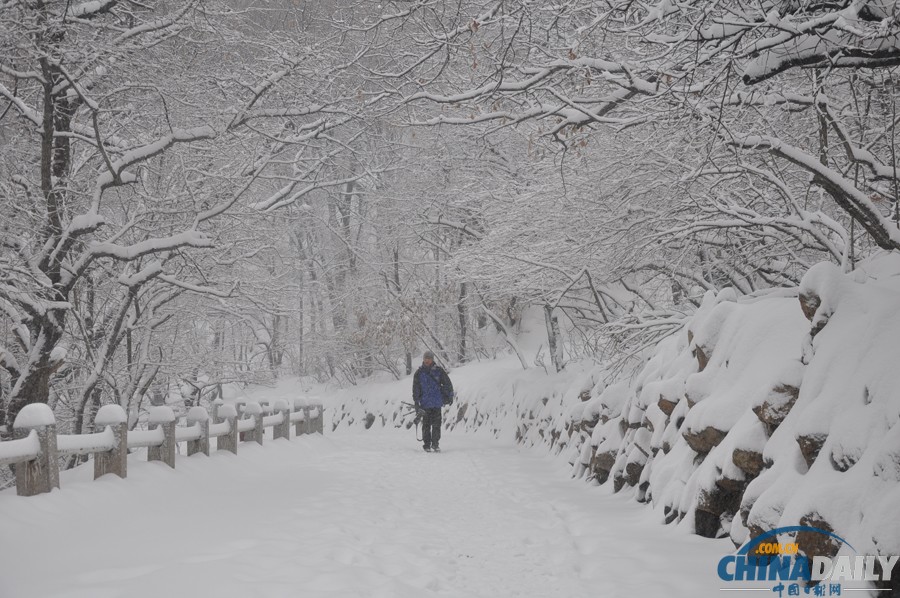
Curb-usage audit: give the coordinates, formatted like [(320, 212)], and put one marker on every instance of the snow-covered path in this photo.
[(355, 514)]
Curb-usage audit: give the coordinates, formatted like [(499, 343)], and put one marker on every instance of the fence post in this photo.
[(42, 474), (319, 425), (199, 416), (163, 417), (116, 460), (255, 411), (241, 407), (307, 418), (300, 425), (282, 430), (228, 442)]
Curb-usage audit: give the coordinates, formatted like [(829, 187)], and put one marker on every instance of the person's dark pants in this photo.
[(431, 427)]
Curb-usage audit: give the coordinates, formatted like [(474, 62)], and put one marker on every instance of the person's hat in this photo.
[(428, 355)]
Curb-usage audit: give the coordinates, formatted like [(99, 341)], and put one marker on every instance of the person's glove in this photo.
[(420, 412)]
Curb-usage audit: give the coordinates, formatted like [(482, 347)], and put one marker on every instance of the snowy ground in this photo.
[(363, 513)]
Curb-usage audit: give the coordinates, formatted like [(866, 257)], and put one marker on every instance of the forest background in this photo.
[(199, 193)]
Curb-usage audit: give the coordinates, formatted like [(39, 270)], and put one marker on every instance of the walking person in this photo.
[(432, 390)]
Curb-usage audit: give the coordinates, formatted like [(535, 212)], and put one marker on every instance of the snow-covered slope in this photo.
[(765, 411)]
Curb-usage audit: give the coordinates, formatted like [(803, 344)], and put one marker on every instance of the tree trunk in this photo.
[(506, 335), (463, 324), (553, 338), (34, 384)]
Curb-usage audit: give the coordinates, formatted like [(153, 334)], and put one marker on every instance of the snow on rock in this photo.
[(34, 415), (821, 291)]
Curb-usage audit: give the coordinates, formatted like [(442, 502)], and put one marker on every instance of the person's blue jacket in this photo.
[(430, 386)]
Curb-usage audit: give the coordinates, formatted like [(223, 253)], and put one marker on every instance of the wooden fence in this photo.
[(36, 447)]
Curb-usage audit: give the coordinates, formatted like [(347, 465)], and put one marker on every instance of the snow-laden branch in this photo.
[(570, 112), (21, 107), (460, 226), (505, 86), (832, 40), (199, 289), (78, 226), (508, 117), (259, 113), (855, 153), (115, 176), (127, 253), (284, 198), (672, 271), (91, 8), (32, 304), (438, 42), (149, 271), (269, 82), (158, 24), (801, 221), (15, 74), (842, 190), (7, 307), (9, 362), (18, 319)]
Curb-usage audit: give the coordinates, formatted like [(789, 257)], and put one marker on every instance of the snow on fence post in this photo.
[(36, 460), (198, 416), (116, 460), (39, 475), (228, 442), (164, 418), (282, 430), (255, 411)]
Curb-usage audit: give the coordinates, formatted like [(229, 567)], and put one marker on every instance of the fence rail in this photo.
[(36, 447)]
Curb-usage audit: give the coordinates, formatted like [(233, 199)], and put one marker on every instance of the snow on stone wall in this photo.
[(767, 412), (764, 411)]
